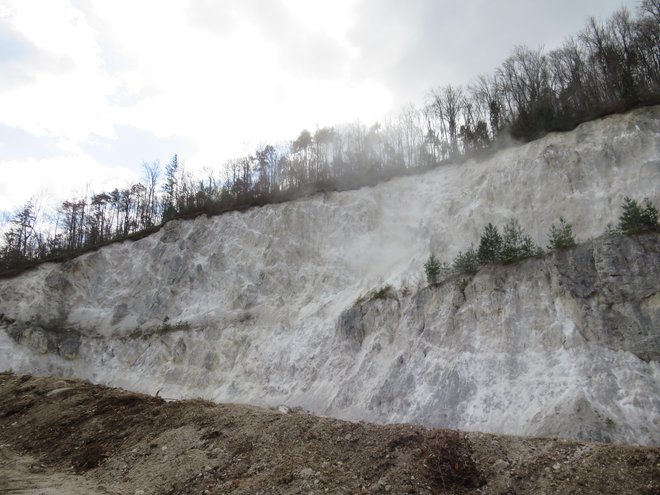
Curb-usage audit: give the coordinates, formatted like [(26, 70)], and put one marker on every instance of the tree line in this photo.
[(607, 67)]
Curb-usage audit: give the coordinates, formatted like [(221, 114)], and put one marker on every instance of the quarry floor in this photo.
[(63, 436)]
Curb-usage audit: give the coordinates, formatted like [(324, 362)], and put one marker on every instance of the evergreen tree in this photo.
[(516, 245), (467, 263), (490, 245), (432, 268), (650, 216), (561, 237), (635, 218)]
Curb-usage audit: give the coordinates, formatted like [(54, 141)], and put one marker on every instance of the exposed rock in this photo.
[(261, 306)]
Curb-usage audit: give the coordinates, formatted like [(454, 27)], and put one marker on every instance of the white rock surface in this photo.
[(262, 293)]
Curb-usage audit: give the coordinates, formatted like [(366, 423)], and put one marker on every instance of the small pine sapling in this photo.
[(561, 236), (635, 218), (432, 268)]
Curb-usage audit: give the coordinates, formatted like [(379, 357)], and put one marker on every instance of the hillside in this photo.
[(272, 306), (67, 436)]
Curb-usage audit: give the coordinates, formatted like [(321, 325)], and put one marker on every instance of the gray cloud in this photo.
[(301, 50), (415, 45), (21, 60)]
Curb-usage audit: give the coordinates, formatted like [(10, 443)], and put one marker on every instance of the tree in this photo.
[(448, 103), (300, 147), (74, 220), (410, 135), (432, 268), (322, 140), (490, 245), (96, 221), (151, 177), (481, 139), (636, 218), (485, 93), (266, 168), (561, 236), (466, 263), (170, 187), (19, 236), (516, 244), (246, 176), (650, 215)]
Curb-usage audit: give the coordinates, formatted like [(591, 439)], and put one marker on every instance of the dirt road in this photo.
[(70, 437)]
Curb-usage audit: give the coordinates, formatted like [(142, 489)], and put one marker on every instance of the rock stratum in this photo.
[(321, 303)]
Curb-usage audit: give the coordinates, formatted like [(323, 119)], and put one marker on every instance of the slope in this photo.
[(68, 436)]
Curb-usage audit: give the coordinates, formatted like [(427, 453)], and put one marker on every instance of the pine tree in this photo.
[(561, 237), (636, 219), (516, 245), (432, 268), (650, 216), (490, 245), (466, 263)]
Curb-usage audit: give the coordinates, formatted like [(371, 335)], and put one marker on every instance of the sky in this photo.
[(92, 89)]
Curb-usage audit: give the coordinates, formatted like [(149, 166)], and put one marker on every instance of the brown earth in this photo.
[(63, 436)]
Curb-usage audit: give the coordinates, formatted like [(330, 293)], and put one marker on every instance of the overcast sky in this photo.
[(91, 89)]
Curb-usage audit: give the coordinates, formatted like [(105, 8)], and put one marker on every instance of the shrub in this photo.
[(466, 263), (561, 237), (515, 244), (636, 218), (166, 326), (450, 463), (384, 293)]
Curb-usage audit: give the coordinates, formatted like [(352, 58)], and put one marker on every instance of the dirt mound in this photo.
[(68, 436)]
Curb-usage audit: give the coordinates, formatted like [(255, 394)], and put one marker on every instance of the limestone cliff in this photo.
[(262, 306), (562, 345)]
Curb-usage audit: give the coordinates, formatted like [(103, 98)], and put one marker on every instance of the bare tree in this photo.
[(448, 103), (151, 174)]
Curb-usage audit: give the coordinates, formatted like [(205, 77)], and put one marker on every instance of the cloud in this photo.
[(226, 75), (309, 42), (415, 45), (65, 95), (56, 178), (20, 58), (132, 147), (104, 85), (17, 144)]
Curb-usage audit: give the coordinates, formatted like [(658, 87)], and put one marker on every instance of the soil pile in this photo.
[(69, 436)]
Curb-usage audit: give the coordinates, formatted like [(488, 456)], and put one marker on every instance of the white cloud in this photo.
[(57, 179), (145, 65), (66, 100)]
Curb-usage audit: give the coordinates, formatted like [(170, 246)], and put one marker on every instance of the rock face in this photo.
[(275, 305), (567, 344)]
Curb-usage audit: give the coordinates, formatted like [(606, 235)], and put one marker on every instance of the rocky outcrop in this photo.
[(566, 344)]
